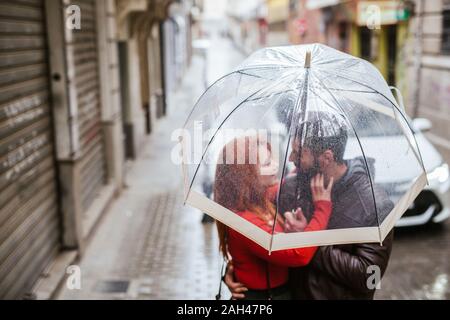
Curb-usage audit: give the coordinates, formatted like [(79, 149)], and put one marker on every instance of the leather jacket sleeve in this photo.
[(348, 265)]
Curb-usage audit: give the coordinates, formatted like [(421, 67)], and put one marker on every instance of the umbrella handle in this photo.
[(399, 97)]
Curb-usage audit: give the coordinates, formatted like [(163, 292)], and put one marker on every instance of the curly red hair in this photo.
[(238, 185)]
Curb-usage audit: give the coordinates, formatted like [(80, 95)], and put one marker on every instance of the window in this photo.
[(293, 6), (446, 31), (343, 35), (366, 43)]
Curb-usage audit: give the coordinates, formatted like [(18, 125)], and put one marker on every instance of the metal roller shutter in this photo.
[(89, 117), (29, 221)]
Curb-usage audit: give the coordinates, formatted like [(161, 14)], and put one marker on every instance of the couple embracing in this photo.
[(324, 192)]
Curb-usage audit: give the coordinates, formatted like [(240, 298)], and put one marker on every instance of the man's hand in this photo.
[(295, 222), (237, 289)]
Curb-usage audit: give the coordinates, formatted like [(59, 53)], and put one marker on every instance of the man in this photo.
[(340, 271)]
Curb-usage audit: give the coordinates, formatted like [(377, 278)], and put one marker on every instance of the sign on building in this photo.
[(383, 12)]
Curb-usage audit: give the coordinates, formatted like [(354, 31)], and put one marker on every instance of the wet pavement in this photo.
[(149, 246), (420, 264)]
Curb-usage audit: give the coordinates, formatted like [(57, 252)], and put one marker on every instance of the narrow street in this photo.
[(93, 94), (149, 246)]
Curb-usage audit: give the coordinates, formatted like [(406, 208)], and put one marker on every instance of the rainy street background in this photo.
[(87, 185)]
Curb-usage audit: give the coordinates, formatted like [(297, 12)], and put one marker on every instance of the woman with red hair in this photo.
[(241, 185)]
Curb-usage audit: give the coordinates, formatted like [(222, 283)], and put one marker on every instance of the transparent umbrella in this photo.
[(259, 135)]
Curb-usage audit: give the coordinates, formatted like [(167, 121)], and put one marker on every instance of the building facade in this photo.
[(82, 82), (427, 79), (408, 41)]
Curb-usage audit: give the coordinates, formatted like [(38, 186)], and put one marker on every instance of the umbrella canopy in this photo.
[(257, 137)]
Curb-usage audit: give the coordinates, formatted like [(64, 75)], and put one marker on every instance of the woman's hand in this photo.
[(319, 192), (295, 221)]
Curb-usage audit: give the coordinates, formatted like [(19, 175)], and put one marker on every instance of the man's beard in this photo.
[(310, 172)]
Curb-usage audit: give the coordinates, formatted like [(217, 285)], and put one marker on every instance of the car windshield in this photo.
[(380, 125)]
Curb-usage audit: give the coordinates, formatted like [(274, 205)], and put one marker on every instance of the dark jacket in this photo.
[(341, 271)]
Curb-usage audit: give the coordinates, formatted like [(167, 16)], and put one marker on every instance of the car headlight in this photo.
[(440, 173)]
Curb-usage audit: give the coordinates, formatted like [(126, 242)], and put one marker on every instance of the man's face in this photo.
[(302, 158)]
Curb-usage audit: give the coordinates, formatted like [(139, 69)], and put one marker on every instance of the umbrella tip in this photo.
[(308, 59)]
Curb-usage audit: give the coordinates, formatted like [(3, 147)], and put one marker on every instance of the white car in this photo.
[(433, 203)]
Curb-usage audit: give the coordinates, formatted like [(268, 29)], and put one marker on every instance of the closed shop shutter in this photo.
[(29, 220), (88, 94)]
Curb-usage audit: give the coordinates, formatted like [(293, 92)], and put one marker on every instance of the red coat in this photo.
[(250, 260)]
